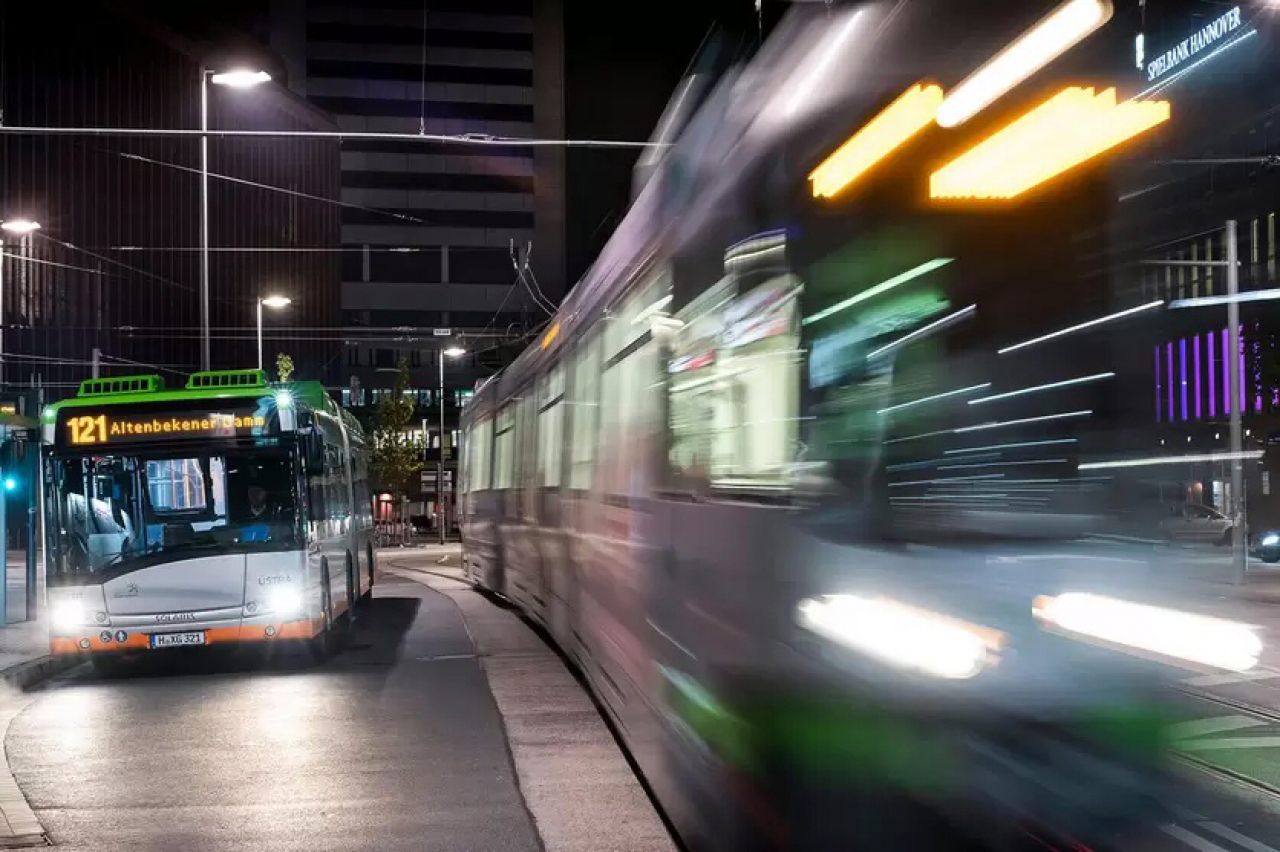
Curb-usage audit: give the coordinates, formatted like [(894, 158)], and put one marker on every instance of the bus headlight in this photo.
[(283, 600), (902, 635), (68, 614)]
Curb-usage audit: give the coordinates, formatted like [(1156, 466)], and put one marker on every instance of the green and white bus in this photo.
[(228, 511)]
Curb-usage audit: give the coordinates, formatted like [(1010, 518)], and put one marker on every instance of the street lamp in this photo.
[(22, 228), (275, 302), (451, 352), (236, 79)]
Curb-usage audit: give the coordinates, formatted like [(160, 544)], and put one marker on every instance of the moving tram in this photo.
[(800, 480)]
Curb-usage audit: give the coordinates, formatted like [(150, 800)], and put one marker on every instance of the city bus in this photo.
[(231, 510)]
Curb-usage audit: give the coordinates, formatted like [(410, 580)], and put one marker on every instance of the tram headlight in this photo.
[(903, 636), (1164, 632), (65, 615), (284, 600)]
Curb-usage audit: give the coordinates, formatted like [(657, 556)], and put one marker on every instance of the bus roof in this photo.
[(213, 384)]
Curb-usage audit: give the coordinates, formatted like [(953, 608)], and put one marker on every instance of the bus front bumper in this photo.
[(116, 639)]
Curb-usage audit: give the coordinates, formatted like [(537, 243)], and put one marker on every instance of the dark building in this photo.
[(430, 229), (1216, 63), (115, 265), (428, 239)]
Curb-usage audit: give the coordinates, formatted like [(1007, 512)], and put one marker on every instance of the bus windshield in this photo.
[(114, 513)]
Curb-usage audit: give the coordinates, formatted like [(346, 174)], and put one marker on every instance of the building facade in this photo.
[(111, 278), (432, 232)]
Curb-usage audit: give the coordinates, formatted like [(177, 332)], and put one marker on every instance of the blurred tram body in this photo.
[(703, 446)]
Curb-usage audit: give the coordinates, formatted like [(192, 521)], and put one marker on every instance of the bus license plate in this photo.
[(175, 640)]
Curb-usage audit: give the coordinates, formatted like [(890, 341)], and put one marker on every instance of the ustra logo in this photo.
[(172, 617)]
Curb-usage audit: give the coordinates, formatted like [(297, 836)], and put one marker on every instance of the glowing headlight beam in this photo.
[(1081, 326), (944, 395), (1169, 633), (997, 424), (1037, 388), (884, 286), (1070, 128), (1212, 301), (903, 636), (936, 325), (1049, 38), (1246, 455), (910, 113)]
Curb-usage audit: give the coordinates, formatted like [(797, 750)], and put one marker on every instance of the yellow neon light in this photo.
[(551, 335), (1073, 126), (899, 121)]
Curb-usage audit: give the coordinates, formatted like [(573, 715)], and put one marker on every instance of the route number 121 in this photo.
[(88, 430)]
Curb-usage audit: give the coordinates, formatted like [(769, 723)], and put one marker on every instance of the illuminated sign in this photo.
[(1207, 35), (97, 429)]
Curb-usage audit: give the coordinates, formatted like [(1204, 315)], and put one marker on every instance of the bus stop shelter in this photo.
[(19, 516)]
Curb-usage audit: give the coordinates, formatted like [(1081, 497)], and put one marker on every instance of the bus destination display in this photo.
[(111, 427)]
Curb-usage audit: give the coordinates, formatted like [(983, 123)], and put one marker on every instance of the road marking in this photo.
[(1261, 673), (1230, 742), (1237, 838), (1195, 841), (1214, 725)]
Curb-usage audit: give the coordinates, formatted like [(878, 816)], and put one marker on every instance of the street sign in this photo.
[(442, 332)]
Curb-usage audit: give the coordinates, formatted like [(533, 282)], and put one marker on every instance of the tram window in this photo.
[(503, 449), (550, 427), (734, 386), (478, 442), (584, 410), (627, 402)]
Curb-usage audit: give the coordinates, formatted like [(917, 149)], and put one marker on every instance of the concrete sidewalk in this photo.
[(582, 793)]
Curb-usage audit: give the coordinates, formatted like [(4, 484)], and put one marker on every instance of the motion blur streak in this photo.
[(883, 286), (1247, 455), (913, 110), (1070, 128), (936, 325), (944, 395), (1167, 632), (1061, 29), (1015, 445), (1212, 301), (904, 636), (1065, 383), (996, 424), (1081, 326)]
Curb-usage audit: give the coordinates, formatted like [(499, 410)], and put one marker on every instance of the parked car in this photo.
[(1267, 545), (1193, 522)]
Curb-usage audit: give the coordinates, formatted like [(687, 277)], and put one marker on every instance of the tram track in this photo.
[(1222, 773)]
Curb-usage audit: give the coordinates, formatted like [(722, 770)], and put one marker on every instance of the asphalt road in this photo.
[(396, 743)]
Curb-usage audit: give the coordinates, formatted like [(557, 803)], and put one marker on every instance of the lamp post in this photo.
[(22, 228), (239, 79), (451, 352), (275, 302)]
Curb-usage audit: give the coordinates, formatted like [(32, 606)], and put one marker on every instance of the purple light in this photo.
[(1168, 371), (1213, 397), (1195, 351), (1243, 404), (1157, 350), (1182, 374), (1226, 373)]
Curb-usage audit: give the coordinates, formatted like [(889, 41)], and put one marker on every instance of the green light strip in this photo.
[(883, 286)]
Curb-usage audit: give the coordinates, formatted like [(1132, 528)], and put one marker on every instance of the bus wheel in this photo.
[(353, 590), (321, 646)]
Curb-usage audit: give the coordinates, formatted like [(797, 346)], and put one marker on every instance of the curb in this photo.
[(27, 674)]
